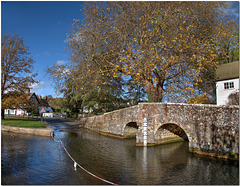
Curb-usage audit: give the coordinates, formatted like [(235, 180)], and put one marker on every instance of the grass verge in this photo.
[(23, 122)]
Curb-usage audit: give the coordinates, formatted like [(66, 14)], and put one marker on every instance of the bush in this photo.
[(200, 99), (34, 113), (233, 99)]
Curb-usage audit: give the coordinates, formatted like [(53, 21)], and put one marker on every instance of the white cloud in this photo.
[(61, 62), (40, 85), (42, 88)]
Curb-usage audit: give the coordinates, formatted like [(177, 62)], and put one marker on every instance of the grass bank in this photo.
[(23, 122)]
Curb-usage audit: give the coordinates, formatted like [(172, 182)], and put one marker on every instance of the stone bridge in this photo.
[(210, 129)]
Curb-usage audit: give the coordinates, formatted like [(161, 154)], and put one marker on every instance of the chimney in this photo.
[(27, 90)]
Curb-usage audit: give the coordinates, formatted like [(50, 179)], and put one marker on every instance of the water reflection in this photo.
[(144, 162), (39, 160)]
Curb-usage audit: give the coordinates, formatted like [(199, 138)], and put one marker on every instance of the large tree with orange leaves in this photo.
[(16, 77), (167, 47)]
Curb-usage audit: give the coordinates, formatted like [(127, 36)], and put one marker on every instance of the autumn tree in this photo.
[(96, 90), (164, 46), (135, 93), (16, 77)]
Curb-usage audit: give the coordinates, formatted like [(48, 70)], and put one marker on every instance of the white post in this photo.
[(75, 166), (145, 132)]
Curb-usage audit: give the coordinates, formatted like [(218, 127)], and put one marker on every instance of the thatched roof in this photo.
[(228, 71)]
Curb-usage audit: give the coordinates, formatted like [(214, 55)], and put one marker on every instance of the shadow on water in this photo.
[(38, 160)]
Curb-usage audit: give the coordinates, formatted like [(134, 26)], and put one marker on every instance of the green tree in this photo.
[(72, 104), (57, 104), (234, 55), (105, 94), (16, 77)]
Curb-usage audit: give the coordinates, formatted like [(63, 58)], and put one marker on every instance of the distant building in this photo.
[(30, 96), (42, 105), (227, 76)]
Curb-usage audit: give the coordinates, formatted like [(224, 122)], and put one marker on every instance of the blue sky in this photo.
[(44, 26)]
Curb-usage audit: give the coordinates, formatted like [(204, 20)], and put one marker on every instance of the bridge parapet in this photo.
[(118, 119)]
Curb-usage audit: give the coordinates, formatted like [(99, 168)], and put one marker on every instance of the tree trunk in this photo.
[(158, 93), (2, 114), (155, 93)]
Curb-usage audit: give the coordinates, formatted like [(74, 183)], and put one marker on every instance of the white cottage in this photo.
[(30, 96), (227, 76), (43, 106)]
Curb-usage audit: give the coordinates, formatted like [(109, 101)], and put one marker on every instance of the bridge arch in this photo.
[(130, 130), (169, 132)]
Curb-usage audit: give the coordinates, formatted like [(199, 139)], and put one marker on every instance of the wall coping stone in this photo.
[(127, 108), (196, 105)]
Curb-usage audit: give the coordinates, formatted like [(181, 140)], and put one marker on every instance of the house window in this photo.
[(231, 84), (228, 85)]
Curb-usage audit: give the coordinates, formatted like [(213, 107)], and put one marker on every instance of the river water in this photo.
[(35, 160)]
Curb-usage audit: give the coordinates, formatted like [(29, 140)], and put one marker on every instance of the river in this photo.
[(35, 160)]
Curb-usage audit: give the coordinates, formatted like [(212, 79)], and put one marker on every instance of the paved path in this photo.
[(62, 124)]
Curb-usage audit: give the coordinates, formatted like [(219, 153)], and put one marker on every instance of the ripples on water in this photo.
[(38, 160)]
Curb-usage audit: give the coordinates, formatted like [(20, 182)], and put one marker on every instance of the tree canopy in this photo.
[(16, 77), (170, 48)]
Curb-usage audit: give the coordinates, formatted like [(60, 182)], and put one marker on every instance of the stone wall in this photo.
[(208, 128), (34, 131), (116, 121), (163, 136), (113, 123), (94, 122)]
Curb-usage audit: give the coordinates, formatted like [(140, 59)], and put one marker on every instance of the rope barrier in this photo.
[(75, 163)]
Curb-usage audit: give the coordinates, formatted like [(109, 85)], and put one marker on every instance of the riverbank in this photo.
[(23, 122), (215, 155), (34, 128), (34, 131)]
